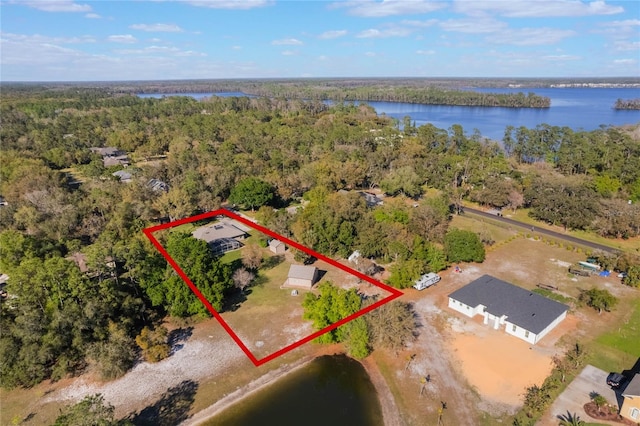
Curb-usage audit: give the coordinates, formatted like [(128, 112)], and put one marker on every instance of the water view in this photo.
[(577, 108), (330, 390)]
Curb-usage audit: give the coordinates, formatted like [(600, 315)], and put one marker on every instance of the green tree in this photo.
[(633, 276), (115, 355), (329, 307), (357, 338), (599, 299), (463, 246), (251, 193), (403, 180), (153, 343), (405, 272), (91, 411), (211, 277)]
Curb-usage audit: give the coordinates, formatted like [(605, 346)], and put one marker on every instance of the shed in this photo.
[(302, 276), (524, 314), (277, 246)]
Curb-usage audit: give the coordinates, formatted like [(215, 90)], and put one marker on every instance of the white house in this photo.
[(524, 314)]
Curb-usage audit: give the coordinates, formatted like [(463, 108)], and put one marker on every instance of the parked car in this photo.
[(622, 274), (615, 380)]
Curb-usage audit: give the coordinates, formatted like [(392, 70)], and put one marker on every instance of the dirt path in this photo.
[(390, 412)]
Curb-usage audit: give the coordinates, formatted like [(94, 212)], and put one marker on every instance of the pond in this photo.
[(330, 390)]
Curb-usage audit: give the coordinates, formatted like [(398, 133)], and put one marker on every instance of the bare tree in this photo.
[(252, 257), (242, 278), (516, 200)]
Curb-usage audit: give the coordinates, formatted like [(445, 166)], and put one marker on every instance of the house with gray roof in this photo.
[(524, 314), (222, 236)]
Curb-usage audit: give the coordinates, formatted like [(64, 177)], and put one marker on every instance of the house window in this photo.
[(526, 334), (513, 328), (635, 413)]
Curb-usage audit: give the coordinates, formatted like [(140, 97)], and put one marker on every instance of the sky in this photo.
[(69, 40)]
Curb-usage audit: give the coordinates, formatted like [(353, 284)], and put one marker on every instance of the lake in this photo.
[(330, 390), (577, 108)]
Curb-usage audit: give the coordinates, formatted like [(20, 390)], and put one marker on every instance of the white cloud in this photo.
[(420, 24), (92, 16), (473, 25), (287, 42), (370, 54), (529, 36), (57, 5), (158, 28), (40, 39), (236, 47), (561, 57), (124, 38), (626, 45), (625, 61), (389, 32), (538, 8), (332, 34), (377, 9), (230, 4), (289, 52), (425, 52)]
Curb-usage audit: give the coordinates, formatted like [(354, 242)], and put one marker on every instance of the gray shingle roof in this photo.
[(302, 272), (216, 231), (633, 388), (522, 307)]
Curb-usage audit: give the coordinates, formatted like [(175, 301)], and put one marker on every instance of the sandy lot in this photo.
[(499, 366)]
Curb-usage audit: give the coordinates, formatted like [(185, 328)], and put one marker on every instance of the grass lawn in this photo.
[(618, 349)]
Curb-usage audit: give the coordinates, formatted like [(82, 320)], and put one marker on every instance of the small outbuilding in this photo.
[(301, 276), (277, 246)]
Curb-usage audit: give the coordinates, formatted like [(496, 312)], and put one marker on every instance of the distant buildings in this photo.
[(158, 185), (112, 156)]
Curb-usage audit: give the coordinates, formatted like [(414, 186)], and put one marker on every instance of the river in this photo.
[(330, 390), (577, 108)]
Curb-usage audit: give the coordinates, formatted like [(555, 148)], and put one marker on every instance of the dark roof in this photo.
[(522, 307), (633, 388)]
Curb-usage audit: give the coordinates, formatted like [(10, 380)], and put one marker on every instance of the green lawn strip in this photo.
[(552, 295), (618, 349)]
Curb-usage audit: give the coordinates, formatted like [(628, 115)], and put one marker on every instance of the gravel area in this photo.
[(146, 382)]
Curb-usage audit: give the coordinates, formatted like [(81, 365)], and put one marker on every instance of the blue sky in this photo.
[(69, 40)]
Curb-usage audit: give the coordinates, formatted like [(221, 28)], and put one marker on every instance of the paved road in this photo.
[(542, 231)]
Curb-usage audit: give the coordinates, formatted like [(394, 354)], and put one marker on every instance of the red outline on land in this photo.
[(257, 362)]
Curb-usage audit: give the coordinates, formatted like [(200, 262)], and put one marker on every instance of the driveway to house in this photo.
[(542, 231), (572, 400)]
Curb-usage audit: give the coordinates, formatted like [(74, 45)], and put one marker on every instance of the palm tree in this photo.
[(570, 420)]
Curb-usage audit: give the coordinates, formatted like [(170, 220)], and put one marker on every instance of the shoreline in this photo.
[(390, 413)]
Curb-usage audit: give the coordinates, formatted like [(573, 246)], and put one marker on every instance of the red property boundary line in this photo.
[(395, 293)]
